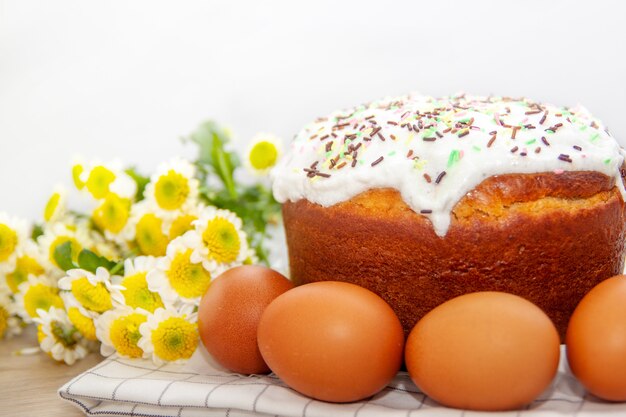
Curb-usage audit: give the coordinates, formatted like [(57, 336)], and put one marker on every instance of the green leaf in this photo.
[(213, 157), (63, 256), (254, 204), (37, 231), (89, 261), (140, 180)]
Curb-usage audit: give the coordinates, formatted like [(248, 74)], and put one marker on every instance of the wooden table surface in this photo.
[(28, 384)]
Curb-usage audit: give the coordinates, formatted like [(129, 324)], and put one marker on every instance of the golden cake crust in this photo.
[(546, 237)]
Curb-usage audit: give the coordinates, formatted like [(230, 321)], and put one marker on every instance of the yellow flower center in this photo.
[(222, 240), (138, 295), (76, 248), (263, 155), (171, 190), (174, 339), (24, 267), (124, 334), (92, 297), (83, 324), (4, 321), (100, 178), (180, 225), (112, 214), (150, 237), (189, 280), (51, 207), (41, 296), (76, 171), (8, 242)]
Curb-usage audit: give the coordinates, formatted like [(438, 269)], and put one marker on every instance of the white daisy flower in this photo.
[(28, 261), (9, 324), (147, 227), (135, 290), (14, 232), (94, 292), (169, 335), (180, 275), (59, 338), (263, 153), (222, 237), (100, 179), (56, 207), (37, 293), (173, 186), (118, 330)]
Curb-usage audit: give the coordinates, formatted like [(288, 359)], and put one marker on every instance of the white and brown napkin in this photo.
[(123, 387)]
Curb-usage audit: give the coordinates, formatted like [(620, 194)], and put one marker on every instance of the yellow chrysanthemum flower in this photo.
[(99, 180), (56, 207), (263, 153), (171, 190), (118, 330), (169, 336), (59, 338), (93, 292), (8, 242), (223, 239), (13, 233), (174, 339), (149, 235), (136, 292), (24, 266), (34, 295), (173, 186), (93, 297), (180, 274), (112, 214), (188, 279), (27, 262)]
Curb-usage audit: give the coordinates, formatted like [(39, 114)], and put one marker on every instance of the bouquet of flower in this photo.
[(127, 276)]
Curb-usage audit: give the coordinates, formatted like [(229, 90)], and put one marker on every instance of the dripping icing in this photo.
[(435, 150)]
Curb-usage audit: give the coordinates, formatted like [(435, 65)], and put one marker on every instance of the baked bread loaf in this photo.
[(421, 200)]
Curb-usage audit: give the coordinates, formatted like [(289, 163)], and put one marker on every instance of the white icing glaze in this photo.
[(422, 137)]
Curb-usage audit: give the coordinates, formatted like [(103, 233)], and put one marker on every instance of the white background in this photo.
[(128, 78)]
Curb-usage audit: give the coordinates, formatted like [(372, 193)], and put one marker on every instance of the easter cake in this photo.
[(423, 199)]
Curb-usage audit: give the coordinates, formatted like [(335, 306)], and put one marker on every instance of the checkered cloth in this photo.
[(123, 387)]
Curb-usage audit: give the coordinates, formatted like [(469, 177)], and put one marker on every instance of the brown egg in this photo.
[(229, 315), (483, 351), (596, 340), (332, 341)]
